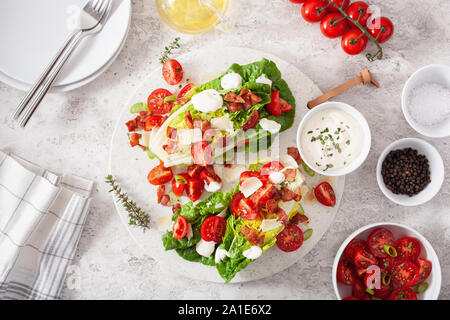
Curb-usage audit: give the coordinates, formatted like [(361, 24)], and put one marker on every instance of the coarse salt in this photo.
[(429, 104)]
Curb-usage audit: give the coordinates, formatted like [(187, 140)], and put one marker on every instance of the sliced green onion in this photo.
[(390, 250), (170, 98), (383, 279), (150, 154), (308, 170), (300, 209), (421, 287), (307, 234), (135, 108), (173, 197), (180, 179), (370, 291)]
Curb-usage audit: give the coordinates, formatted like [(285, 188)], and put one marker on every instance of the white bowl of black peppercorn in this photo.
[(410, 172)]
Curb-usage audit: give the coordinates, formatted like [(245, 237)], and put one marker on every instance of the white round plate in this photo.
[(31, 32), (131, 166)]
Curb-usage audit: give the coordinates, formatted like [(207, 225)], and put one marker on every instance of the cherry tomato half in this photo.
[(354, 41), (213, 229), (235, 203), (194, 188), (284, 106), (155, 101), (405, 273), (247, 209), (325, 194), (349, 251), (185, 90), (407, 248), (313, 10), (403, 294), (333, 25), (159, 175), (425, 267), (360, 12), (363, 259), (351, 298), (290, 239), (172, 72), (179, 183), (377, 239), (381, 29), (248, 174), (180, 227), (358, 289), (345, 273)]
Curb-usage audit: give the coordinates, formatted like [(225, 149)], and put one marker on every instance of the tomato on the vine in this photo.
[(314, 10), (333, 25), (340, 3), (354, 41), (381, 29), (360, 12)]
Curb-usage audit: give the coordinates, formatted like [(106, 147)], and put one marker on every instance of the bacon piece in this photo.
[(171, 133), (233, 97), (287, 195), (250, 98), (160, 192), (282, 216), (294, 153), (188, 119), (171, 147), (165, 200), (290, 174), (131, 125), (176, 207), (202, 124), (252, 236), (134, 139), (234, 107), (299, 218), (271, 206)]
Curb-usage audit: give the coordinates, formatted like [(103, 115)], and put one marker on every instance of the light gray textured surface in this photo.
[(72, 131)]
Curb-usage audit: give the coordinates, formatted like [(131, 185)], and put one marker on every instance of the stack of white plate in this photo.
[(31, 32)]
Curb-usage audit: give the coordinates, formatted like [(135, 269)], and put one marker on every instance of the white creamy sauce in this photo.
[(220, 255), (332, 139), (205, 248), (213, 186), (207, 100), (253, 253), (270, 125), (231, 81), (263, 79)]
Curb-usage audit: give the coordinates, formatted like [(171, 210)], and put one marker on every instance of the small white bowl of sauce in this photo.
[(333, 139)]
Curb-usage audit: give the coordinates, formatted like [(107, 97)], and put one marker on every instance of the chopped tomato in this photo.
[(424, 269), (180, 227), (364, 259), (325, 194), (407, 248), (179, 183), (290, 239), (378, 238), (202, 153), (159, 175), (403, 294), (345, 273), (247, 209), (274, 106), (405, 273), (383, 292), (235, 203), (186, 90), (386, 263), (213, 229), (358, 289), (194, 188), (156, 102), (172, 72)]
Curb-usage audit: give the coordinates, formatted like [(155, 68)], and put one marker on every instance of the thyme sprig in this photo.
[(168, 49), (137, 216)]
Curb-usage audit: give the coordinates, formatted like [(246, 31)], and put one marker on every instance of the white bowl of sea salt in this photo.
[(426, 101)]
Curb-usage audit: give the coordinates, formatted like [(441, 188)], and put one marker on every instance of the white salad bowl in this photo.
[(427, 252), (434, 73), (436, 171), (353, 165)]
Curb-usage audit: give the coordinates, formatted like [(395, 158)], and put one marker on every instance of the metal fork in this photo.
[(92, 18)]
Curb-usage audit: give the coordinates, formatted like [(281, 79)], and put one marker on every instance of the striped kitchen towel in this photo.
[(41, 219)]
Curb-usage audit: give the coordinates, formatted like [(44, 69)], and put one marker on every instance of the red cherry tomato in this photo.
[(403, 294), (274, 106), (383, 292), (340, 3), (363, 259), (153, 121), (333, 25), (155, 101), (386, 264), (213, 229), (185, 90), (290, 239), (273, 166), (194, 188), (345, 273), (263, 194), (407, 248), (172, 72), (354, 41), (325, 194), (381, 29), (209, 176), (378, 238), (349, 251), (179, 183), (313, 10), (159, 175), (247, 209), (360, 12), (180, 227), (405, 273), (202, 153), (424, 269), (235, 203), (251, 121)]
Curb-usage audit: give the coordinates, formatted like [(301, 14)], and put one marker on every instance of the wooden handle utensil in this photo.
[(365, 77)]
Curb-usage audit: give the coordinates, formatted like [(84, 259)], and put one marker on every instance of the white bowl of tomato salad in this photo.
[(409, 267)]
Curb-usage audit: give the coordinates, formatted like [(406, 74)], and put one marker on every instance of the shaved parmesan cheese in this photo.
[(263, 79), (223, 123), (253, 253), (250, 185), (270, 224), (270, 125), (205, 248), (213, 186), (220, 255), (144, 140), (287, 161)]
